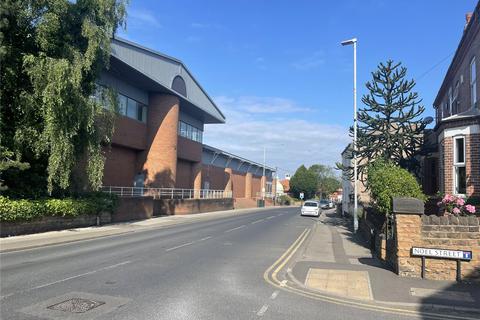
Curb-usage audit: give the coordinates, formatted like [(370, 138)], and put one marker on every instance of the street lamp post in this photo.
[(355, 169), (263, 174)]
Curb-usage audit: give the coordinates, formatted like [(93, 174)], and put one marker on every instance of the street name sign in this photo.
[(302, 195), (442, 253)]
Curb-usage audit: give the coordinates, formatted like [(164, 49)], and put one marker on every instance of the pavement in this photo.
[(255, 264), (336, 263)]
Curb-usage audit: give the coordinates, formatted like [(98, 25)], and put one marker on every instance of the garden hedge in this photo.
[(26, 209)]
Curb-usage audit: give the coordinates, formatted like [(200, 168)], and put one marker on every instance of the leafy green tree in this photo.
[(303, 181), (390, 126), (52, 52), (327, 181)]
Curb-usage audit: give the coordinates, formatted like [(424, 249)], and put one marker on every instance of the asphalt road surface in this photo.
[(203, 270)]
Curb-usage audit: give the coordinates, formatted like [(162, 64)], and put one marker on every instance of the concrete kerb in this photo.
[(32, 241), (288, 276)]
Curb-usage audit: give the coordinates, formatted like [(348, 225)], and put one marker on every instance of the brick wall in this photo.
[(119, 166), (215, 176), (189, 206), (238, 184), (45, 224), (446, 232)]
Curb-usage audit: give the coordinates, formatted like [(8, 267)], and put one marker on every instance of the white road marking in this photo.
[(257, 221), (283, 283), (70, 278), (270, 217), (180, 246), (262, 310), (280, 214), (206, 238), (274, 294), (230, 230)]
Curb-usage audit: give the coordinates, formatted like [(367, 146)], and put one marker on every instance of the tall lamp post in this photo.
[(355, 169)]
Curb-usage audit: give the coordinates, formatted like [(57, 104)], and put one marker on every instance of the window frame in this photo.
[(473, 83), (457, 165)]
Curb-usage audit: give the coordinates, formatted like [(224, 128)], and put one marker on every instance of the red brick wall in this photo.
[(184, 174), (215, 176), (256, 186), (130, 133), (238, 184), (189, 149), (119, 166)]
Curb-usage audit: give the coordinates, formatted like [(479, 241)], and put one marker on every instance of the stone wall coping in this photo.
[(407, 205)]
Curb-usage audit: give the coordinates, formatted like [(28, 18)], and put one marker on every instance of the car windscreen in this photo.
[(323, 201), (310, 204)]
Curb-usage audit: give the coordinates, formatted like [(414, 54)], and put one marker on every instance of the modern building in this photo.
[(457, 110), (158, 138)]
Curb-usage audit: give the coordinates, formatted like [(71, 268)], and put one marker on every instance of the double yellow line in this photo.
[(271, 277)]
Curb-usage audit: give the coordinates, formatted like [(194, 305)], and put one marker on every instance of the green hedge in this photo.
[(386, 180), (24, 210)]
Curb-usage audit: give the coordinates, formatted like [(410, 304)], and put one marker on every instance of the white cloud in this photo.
[(141, 17), (313, 61), (290, 141)]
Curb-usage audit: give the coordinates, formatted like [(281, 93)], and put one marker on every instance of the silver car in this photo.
[(311, 208)]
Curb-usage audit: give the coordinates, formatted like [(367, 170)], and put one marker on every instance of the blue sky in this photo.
[(277, 69)]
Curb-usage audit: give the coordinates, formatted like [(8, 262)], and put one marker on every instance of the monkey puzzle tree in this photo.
[(390, 126)]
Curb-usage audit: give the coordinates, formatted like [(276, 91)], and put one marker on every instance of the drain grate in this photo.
[(76, 305)]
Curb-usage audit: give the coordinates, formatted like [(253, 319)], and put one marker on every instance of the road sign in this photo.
[(442, 253), (302, 195)]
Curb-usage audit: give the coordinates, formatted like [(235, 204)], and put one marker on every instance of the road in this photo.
[(203, 270)]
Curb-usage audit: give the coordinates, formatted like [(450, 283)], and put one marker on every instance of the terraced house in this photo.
[(158, 139), (457, 109)]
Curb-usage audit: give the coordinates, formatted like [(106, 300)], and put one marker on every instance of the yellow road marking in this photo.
[(287, 255)]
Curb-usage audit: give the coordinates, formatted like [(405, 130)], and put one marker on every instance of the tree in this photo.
[(303, 181), (52, 52), (327, 181), (390, 126)]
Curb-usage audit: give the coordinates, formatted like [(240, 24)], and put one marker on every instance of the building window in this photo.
[(460, 173), (190, 132), (132, 108), (473, 83)]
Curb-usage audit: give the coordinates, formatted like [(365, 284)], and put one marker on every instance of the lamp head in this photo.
[(349, 42)]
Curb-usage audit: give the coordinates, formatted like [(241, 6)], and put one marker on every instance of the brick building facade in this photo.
[(158, 134), (457, 110)]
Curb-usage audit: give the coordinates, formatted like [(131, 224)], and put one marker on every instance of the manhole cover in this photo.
[(76, 305)]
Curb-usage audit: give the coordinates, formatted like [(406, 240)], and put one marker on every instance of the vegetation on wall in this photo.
[(52, 52), (25, 210)]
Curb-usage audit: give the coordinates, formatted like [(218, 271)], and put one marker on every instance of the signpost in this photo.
[(302, 195), (459, 255)]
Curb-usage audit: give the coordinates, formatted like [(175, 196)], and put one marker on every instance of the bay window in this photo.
[(460, 172)]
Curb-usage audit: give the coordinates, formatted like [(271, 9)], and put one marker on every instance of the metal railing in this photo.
[(167, 193)]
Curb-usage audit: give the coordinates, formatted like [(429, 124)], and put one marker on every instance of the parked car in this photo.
[(311, 208), (324, 204), (331, 204)]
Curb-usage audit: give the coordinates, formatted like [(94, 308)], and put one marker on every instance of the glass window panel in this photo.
[(144, 114), (461, 180), (459, 150), (122, 104), (183, 129), (131, 108), (194, 133), (200, 136), (473, 82), (189, 132)]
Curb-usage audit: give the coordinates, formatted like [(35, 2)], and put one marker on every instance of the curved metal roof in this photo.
[(162, 70)]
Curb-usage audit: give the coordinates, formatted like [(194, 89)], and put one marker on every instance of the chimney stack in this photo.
[(468, 16)]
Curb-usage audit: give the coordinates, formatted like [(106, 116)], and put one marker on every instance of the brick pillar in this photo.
[(160, 157), (248, 185), (229, 184), (197, 178), (408, 231), (263, 185)]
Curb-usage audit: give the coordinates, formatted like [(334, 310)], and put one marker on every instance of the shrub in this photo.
[(24, 210), (456, 206), (386, 180), (285, 200)]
